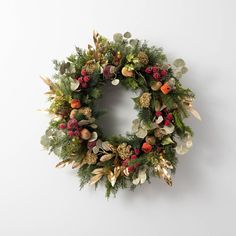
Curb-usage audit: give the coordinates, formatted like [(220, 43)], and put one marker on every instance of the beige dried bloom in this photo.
[(86, 111), (90, 158), (124, 151), (144, 100), (143, 58)]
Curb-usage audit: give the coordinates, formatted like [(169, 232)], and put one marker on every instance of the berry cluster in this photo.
[(156, 72), (83, 79), (167, 117)]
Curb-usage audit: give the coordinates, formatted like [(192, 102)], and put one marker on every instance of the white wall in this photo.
[(37, 199)]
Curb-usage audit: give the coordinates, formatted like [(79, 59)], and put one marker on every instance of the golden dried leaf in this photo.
[(98, 171), (95, 178), (195, 113), (106, 157), (63, 163), (77, 165)]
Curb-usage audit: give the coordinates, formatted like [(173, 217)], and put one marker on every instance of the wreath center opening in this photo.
[(117, 103)]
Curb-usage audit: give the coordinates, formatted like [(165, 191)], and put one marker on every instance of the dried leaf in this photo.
[(95, 150), (142, 133), (98, 171), (77, 165), (168, 129), (74, 84), (127, 35), (94, 136), (106, 157), (167, 141), (184, 70), (159, 119), (115, 82), (195, 113), (181, 149), (179, 62), (63, 163), (95, 179), (106, 146), (141, 177)]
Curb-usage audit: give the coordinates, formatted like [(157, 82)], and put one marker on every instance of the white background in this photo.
[(36, 199)]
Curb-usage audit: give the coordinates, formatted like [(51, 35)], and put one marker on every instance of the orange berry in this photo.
[(75, 103), (146, 147)]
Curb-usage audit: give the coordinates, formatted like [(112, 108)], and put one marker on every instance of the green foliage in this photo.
[(130, 83), (85, 174), (146, 115)]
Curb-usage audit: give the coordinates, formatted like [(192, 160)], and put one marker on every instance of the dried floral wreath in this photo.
[(157, 134)]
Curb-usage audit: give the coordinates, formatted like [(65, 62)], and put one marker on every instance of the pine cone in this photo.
[(144, 100), (143, 58), (124, 151)]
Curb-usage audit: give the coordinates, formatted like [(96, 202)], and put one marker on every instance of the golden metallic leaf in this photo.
[(98, 171), (106, 157), (95, 178), (63, 163)]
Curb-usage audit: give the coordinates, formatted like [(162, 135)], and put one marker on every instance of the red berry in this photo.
[(169, 116), (158, 149), (167, 123), (84, 85), (154, 69), (156, 76), (137, 151), (125, 163), (90, 145), (158, 113), (83, 72), (70, 133), (86, 79), (130, 168), (133, 157), (76, 133), (148, 70), (163, 72), (80, 79), (62, 126)]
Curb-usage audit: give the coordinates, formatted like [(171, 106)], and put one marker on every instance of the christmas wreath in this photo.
[(158, 133)]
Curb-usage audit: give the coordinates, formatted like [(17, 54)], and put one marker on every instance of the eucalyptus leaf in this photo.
[(167, 141), (118, 37), (179, 62), (184, 70), (45, 141), (133, 42), (115, 82), (127, 35)]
